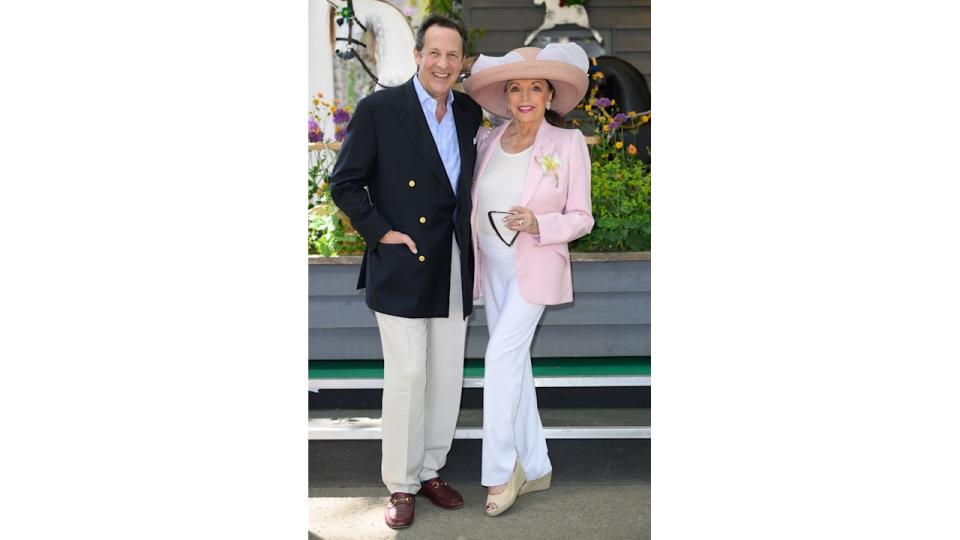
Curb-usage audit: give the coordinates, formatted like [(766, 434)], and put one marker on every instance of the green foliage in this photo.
[(620, 192), (620, 181), (329, 232)]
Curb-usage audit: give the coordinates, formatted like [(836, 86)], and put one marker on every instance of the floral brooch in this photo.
[(550, 164)]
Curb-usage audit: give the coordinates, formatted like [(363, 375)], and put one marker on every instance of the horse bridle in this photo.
[(348, 15)]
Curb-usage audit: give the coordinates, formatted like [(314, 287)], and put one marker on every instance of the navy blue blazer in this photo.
[(389, 175)]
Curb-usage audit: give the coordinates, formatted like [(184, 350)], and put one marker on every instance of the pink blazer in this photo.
[(561, 205)]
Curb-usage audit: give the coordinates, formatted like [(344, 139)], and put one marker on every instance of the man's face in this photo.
[(438, 64)]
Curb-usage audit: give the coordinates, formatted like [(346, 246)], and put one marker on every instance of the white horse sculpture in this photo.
[(557, 14), (393, 39)]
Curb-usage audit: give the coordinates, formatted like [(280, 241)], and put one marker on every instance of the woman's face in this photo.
[(527, 98)]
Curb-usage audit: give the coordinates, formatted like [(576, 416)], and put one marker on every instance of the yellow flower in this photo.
[(606, 127), (632, 150), (585, 107), (316, 101), (333, 109), (632, 114), (645, 118), (613, 102), (598, 75), (619, 145), (346, 108)]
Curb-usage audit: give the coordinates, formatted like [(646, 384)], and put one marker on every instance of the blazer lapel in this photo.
[(465, 141), (415, 127), (543, 144)]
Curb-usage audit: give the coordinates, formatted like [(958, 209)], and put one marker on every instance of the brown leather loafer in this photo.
[(399, 511), (441, 493)]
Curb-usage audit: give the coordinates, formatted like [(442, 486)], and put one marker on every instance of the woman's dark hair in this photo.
[(446, 22), (553, 117)]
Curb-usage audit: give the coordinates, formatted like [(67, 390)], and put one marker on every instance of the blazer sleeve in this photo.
[(353, 172), (576, 218)]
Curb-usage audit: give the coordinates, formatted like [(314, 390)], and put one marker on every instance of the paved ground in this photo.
[(599, 511), (601, 489)]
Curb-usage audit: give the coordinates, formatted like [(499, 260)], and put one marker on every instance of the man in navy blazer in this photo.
[(403, 178)]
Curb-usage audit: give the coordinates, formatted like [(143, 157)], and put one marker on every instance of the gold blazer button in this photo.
[(423, 219), (411, 183), (422, 258)]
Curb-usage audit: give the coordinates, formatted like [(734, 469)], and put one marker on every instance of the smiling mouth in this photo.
[(441, 75), (525, 109)]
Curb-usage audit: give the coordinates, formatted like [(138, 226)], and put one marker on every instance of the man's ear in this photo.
[(416, 58)]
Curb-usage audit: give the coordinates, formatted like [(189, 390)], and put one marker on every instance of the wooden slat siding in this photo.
[(589, 309), (549, 341), (608, 294), (637, 40), (593, 3), (340, 280), (624, 25), (607, 276)]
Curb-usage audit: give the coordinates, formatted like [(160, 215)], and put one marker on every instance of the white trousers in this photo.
[(422, 384), (511, 421)]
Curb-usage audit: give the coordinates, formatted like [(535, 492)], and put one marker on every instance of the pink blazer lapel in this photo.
[(543, 144)]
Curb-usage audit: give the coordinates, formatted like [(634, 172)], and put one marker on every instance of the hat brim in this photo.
[(488, 87)]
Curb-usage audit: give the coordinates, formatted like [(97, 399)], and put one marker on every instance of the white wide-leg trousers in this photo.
[(511, 421), (422, 384)]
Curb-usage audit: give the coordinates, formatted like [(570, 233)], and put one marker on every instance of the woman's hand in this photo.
[(522, 220)]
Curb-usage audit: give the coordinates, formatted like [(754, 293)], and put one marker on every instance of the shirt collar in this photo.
[(425, 98)]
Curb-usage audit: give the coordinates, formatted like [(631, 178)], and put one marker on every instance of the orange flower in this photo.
[(632, 150)]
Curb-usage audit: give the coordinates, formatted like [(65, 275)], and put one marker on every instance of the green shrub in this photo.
[(620, 190)]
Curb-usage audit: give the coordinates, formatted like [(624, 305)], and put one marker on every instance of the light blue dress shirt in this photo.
[(444, 132)]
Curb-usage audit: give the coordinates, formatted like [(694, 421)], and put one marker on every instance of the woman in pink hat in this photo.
[(531, 196)]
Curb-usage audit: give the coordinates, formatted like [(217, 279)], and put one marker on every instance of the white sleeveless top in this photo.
[(501, 185)]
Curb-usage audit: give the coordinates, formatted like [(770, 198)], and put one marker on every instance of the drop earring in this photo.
[(548, 105)]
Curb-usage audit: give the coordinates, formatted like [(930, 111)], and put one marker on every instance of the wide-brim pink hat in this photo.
[(563, 64)]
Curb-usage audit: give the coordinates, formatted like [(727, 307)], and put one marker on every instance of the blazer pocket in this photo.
[(561, 249)]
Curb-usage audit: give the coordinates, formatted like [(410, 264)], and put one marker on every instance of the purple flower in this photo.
[(313, 131), (618, 120), (340, 135), (341, 116), (603, 102)]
